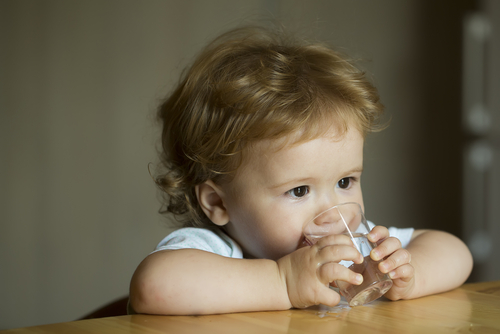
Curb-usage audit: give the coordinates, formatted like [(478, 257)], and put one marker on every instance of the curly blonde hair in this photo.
[(247, 85)]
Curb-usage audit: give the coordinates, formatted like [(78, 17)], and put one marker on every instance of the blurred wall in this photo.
[(79, 84), (481, 154), (80, 81)]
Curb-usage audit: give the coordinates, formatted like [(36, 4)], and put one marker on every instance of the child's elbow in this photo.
[(464, 259), (165, 283), (141, 294), (469, 261), (147, 291)]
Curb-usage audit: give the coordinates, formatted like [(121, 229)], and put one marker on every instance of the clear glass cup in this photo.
[(348, 219)]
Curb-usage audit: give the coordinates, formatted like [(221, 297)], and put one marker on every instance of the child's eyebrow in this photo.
[(307, 180), (355, 170), (292, 181)]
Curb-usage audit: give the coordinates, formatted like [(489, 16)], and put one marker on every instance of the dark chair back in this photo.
[(113, 309)]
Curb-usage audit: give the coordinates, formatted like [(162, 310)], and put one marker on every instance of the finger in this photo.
[(328, 297), (399, 258), (404, 273), (334, 239), (331, 271), (378, 234), (337, 253), (385, 248)]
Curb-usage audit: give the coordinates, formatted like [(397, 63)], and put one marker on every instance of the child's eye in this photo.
[(299, 191), (344, 183)]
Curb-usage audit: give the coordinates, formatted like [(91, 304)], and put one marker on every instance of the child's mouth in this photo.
[(304, 243)]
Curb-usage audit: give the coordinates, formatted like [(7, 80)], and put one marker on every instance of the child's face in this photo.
[(275, 192)]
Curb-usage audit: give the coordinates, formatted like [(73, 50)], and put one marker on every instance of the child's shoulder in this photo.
[(209, 240)]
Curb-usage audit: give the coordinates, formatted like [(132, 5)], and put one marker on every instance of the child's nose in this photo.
[(332, 220), (330, 199), (328, 216)]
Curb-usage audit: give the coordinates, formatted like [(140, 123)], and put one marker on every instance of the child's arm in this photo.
[(188, 281), (433, 262)]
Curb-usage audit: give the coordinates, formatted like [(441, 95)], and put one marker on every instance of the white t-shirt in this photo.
[(216, 241), (213, 241)]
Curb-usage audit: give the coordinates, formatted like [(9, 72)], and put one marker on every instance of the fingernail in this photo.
[(392, 274), (384, 266), (375, 255), (359, 278)]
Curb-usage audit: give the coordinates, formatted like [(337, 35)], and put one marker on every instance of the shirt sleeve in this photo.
[(212, 241)]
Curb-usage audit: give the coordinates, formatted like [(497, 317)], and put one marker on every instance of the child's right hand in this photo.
[(308, 271)]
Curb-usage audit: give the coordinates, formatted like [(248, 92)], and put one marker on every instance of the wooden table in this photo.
[(472, 308)]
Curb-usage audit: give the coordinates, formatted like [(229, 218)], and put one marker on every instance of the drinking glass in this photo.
[(348, 219)]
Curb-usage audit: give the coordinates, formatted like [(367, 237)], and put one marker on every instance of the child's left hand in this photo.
[(396, 262)]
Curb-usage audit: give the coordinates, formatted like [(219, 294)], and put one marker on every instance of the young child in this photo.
[(263, 133)]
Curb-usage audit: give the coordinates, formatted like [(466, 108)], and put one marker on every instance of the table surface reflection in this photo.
[(472, 308)]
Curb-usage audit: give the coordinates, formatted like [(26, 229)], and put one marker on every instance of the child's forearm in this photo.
[(188, 281), (441, 261)]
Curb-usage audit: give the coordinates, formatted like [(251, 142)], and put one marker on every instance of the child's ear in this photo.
[(210, 200)]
